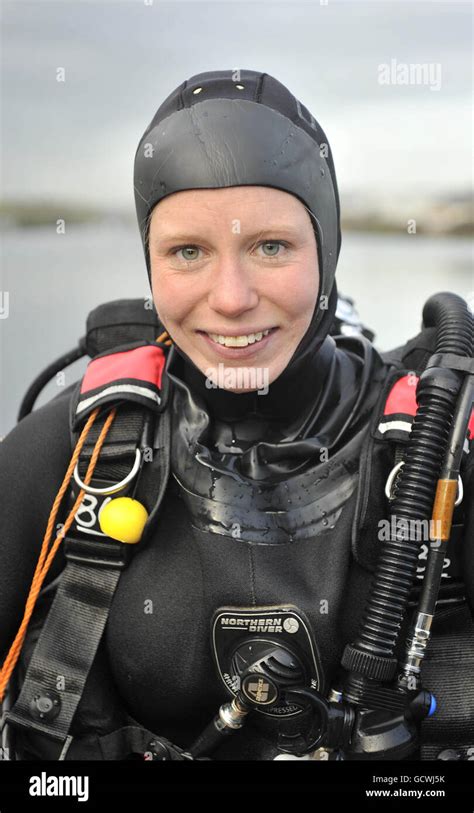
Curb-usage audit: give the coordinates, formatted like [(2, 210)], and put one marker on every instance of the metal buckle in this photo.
[(116, 486), (83, 551)]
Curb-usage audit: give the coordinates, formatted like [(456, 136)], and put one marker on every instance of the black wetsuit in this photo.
[(255, 464)]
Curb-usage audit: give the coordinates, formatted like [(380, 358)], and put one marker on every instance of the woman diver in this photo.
[(231, 594)]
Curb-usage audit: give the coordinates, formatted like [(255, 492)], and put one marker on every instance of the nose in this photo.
[(232, 289)]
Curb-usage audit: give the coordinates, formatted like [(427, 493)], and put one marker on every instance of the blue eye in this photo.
[(273, 243), (265, 244), (187, 248)]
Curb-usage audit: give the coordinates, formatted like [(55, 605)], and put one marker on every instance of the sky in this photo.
[(75, 140)]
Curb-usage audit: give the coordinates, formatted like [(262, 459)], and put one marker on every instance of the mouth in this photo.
[(238, 345), (242, 340)]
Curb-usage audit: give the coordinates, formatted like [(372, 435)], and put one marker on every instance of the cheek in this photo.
[(173, 297), (299, 295)]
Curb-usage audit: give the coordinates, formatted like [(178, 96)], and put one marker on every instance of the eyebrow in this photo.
[(283, 230)]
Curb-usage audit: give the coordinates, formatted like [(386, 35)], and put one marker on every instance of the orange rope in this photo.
[(43, 566), (161, 338)]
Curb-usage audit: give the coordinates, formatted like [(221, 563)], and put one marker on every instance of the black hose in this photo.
[(372, 654), (46, 375)]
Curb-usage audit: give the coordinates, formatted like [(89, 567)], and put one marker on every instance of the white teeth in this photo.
[(238, 341)]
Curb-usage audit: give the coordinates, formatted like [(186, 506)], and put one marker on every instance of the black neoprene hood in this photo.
[(217, 131)]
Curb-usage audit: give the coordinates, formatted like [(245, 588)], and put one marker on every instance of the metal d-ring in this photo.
[(396, 469), (391, 478), (113, 488)]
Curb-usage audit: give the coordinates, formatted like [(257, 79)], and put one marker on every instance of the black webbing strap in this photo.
[(447, 671), (69, 639), (464, 364), (130, 428), (65, 651), (138, 740)]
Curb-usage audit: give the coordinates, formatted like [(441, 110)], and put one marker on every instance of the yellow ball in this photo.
[(123, 519)]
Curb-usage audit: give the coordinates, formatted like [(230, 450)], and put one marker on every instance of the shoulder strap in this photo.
[(69, 639), (414, 354)]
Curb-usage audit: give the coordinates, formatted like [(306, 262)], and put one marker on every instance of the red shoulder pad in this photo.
[(400, 409), (133, 374), (402, 397), (470, 426)]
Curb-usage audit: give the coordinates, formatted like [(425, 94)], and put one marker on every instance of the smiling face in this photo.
[(228, 265)]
